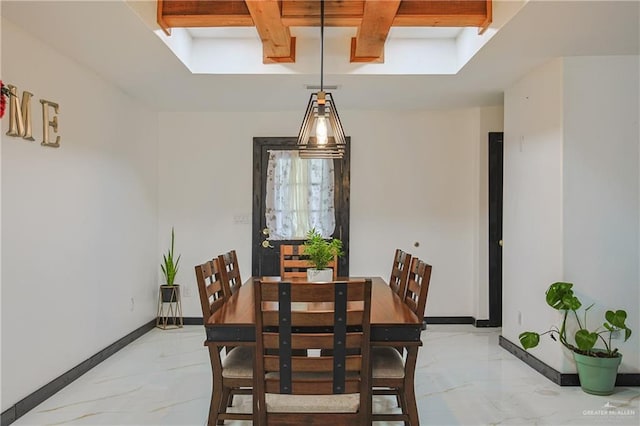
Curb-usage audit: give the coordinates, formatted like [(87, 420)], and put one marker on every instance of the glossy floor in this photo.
[(463, 378)]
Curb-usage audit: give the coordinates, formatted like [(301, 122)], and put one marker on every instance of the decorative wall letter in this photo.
[(46, 123), (20, 118)]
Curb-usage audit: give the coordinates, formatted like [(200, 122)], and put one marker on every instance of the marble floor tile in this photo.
[(462, 378)]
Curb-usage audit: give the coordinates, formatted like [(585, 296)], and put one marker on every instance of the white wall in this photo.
[(571, 196), (79, 222), (532, 221), (601, 212), (414, 178)]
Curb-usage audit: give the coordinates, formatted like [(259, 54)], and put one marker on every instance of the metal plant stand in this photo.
[(169, 307)]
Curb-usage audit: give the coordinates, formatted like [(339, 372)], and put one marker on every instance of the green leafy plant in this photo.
[(321, 251), (560, 296), (169, 266)]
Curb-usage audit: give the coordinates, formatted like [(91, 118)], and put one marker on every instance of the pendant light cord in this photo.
[(321, 45)]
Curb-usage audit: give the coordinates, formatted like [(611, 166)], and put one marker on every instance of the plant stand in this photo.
[(169, 307)]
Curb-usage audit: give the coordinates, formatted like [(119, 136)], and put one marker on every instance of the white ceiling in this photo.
[(110, 38)]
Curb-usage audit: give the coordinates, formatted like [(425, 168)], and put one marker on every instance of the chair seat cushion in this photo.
[(238, 364), (280, 403), (386, 363)]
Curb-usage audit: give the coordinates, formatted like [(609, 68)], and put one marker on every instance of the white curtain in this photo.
[(299, 196)]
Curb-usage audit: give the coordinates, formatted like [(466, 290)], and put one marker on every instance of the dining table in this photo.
[(392, 322)]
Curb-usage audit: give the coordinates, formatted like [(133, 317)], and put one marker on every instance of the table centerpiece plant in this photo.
[(597, 367), (320, 252)]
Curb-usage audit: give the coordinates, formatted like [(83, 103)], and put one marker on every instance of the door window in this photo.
[(300, 196)]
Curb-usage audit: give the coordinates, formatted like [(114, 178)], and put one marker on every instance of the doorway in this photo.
[(495, 227), (265, 253)]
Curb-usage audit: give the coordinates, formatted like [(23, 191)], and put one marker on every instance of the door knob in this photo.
[(266, 244), (500, 243), (265, 231)]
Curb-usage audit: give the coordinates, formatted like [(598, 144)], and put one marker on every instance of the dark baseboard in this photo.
[(487, 323), (562, 379), (30, 401), (461, 320), (449, 320), (192, 321)]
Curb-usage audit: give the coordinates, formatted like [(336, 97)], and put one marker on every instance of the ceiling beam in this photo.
[(374, 18), (203, 13), (277, 43), (338, 13), (368, 44), (442, 13), (306, 13)]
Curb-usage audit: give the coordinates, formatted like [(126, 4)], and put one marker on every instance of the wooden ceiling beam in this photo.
[(272, 19), (368, 44), (442, 13), (203, 13), (305, 13), (277, 43), (227, 13)]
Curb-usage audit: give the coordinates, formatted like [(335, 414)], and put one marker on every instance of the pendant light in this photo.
[(321, 134)]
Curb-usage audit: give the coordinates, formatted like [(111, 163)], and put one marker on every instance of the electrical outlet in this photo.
[(242, 219), (188, 292)]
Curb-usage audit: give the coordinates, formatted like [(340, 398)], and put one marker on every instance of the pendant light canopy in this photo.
[(321, 134)]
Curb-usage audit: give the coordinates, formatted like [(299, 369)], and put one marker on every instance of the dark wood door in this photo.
[(495, 228), (265, 257)]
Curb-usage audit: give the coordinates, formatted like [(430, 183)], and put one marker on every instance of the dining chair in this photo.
[(230, 272), (400, 272), (313, 387), (294, 263), (392, 371), (233, 372)]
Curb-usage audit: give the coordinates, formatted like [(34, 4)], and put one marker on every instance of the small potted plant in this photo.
[(597, 367), (320, 252), (170, 291)]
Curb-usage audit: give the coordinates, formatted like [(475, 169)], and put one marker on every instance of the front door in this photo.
[(265, 253)]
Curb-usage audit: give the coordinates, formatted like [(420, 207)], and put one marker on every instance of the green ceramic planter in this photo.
[(597, 375)]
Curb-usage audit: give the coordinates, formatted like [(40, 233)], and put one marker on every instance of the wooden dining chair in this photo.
[(230, 272), (392, 372), (400, 272), (294, 263), (328, 383), (233, 372)]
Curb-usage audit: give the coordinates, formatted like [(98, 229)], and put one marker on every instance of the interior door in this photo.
[(495, 228), (265, 253)]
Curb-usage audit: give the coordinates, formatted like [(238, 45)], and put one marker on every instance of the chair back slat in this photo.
[(400, 272), (311, 319), (323, 341), (230, 272), (313, 339), (210, 287), (294, 262)]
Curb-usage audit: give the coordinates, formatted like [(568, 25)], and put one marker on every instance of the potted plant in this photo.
[(320, 252), (170, 291), (597, 367)]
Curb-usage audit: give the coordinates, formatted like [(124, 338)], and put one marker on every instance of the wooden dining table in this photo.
[(392, 322)]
